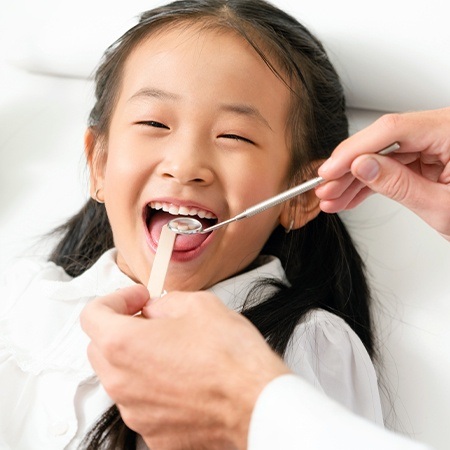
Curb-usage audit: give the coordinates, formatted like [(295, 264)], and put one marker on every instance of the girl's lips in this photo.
[(159, 212)]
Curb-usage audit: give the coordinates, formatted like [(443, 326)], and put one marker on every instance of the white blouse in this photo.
[(49, 394)]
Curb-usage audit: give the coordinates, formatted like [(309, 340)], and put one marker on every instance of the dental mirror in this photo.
[(189, 225), (186, 225)]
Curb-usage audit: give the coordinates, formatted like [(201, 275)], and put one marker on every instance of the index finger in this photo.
[(388, 129), (106, 311), (414, 131)]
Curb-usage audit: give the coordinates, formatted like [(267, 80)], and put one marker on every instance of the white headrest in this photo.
[(392, 56)]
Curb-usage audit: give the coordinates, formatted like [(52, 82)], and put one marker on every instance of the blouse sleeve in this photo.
[(326, 352)]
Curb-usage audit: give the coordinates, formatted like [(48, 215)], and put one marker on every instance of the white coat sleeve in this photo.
[(290, 414)]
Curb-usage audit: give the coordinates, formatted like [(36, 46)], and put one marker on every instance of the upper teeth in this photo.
[(182, 210)]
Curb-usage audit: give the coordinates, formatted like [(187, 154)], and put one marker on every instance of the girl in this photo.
[(204, 108)]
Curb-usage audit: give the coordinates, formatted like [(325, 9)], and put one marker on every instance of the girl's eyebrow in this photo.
[(237, 108), (154, 93)]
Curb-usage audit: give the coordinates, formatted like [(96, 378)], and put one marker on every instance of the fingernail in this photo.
[(326, 165), (368, 169)]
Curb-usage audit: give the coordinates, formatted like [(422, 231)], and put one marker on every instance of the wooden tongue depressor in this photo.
[(161, 262)]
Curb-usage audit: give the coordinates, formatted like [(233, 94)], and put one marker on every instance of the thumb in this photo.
[(103, 311), (126, 301), (397, 182)]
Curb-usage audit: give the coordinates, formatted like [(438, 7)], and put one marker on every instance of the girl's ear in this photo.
[(96, 159), (301, 209)]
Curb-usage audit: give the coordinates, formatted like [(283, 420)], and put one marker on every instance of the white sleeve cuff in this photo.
[(292, 414)]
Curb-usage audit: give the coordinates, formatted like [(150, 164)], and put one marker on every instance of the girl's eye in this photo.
[(153, 123), (236, 137)]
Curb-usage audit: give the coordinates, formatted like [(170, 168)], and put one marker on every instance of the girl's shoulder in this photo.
[(319, 318), (22, 273), (28, 268), (322, 329), (329, 354)]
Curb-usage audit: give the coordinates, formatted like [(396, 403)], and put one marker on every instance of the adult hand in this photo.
[(417, 175), (188, 377)]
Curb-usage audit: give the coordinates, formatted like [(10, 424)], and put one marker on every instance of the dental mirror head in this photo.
[(185, 225)]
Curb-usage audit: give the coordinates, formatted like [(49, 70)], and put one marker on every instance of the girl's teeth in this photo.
[(181, 210)]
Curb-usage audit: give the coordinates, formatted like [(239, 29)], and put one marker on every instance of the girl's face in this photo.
[(199, 128)]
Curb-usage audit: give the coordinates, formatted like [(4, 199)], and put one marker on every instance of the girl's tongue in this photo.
[(183, 243)]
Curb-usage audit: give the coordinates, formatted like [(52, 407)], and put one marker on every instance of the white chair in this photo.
[(392, 56)]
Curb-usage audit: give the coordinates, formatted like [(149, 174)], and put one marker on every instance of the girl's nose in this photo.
[(187, 167)]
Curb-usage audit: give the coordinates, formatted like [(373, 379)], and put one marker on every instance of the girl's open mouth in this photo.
[(158, 214)]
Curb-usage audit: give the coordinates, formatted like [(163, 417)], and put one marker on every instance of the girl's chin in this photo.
[(177, 283), (124, 268)]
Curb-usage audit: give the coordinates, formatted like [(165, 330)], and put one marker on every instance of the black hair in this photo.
[(322, 265)]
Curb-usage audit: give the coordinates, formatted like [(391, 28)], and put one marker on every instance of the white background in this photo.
[(392, 56)]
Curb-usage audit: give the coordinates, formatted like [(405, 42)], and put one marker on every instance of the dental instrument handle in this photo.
[(286, 195), (280, 198), (266, 204)]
